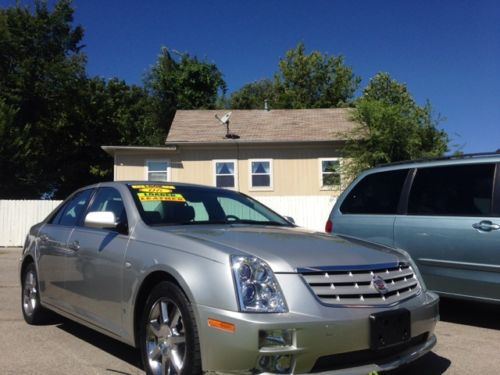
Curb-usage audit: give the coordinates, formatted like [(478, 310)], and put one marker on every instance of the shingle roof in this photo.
[(283, 125)]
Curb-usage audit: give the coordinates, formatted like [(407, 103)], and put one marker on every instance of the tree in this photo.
[(105, 113), (183, 83), (392, 127), (254, 95), (314, 80), (41, 70), (303, 81)]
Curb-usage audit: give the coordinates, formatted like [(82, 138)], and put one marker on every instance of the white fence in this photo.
[(308, 211), (16, 217)]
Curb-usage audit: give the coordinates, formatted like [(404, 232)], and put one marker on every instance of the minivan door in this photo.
[(369, 209), (452, 229)]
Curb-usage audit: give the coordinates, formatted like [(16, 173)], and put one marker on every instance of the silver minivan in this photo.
[(445, 213)]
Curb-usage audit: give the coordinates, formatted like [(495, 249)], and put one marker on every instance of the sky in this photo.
[(447, 52)]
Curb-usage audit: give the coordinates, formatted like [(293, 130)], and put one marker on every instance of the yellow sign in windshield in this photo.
[(160, 196)]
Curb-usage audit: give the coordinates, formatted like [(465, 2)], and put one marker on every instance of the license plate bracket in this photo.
[(389, 328)]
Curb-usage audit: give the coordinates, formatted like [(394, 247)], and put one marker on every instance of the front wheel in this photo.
[(33, 311), (168, 333)]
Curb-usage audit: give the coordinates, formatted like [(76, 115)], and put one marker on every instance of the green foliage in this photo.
[(53, 118), (303, 81), (314, 80), (253, 95), (185, 83), (393, 127), (41, 68)]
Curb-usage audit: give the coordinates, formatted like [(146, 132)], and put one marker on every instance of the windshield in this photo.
[(160, 204)]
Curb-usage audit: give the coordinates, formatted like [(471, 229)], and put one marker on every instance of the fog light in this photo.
[(277, 364), (276, 337)]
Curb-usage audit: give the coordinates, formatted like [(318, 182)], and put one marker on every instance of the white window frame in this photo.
[(235, 173), (146, 168), (329, 187), (250, 174)]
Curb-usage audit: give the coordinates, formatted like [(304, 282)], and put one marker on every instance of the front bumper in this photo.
[(325, 339)]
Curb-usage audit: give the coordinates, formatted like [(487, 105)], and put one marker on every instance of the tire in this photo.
[(33, 312), (168, 335)]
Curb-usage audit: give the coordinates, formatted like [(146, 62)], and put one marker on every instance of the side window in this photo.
[(377, 193), (330, 173), (157, 170), (462, 190), (225, 173), (73, 210), (109, 199), (261, 174)]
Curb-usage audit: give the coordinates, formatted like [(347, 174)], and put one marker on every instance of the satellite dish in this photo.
[(224, 119)]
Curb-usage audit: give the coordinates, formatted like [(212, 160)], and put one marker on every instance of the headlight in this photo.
[(256, 286)]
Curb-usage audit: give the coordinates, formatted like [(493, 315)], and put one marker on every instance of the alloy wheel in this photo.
[(165, 338)]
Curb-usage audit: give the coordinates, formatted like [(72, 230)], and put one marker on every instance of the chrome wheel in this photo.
[(30, 293), (165, 338)]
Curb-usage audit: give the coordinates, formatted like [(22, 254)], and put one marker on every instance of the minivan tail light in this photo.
[(328, 226)]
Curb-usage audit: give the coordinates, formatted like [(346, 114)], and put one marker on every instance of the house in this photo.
[(284, 158)]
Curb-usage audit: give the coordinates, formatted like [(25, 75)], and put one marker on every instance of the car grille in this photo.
[(339, 285)]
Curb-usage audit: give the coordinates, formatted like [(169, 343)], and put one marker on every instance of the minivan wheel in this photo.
[(168, 333), (33, 311)]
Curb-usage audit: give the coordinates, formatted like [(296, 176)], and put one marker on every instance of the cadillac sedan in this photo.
[(209, 280)]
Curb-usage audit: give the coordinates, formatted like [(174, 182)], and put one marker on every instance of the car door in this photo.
[(369, 209), (452, 229), (95, 268), (53, 248)]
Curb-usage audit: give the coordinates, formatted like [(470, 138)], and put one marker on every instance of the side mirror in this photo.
[(101, 220), (289, 219)]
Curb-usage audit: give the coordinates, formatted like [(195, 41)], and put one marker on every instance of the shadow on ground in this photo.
[(429, 364), (477, 314), (114, 347)]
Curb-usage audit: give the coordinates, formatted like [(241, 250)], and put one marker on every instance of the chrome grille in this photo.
[(339, 285)]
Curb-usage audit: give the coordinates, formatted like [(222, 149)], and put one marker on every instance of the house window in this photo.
[(261, 174), (157, 170), (330, 173), (225, 173)]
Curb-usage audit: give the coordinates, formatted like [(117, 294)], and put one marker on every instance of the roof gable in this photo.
[(281, 125)]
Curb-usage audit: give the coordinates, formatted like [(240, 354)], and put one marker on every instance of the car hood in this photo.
[(288, 249)]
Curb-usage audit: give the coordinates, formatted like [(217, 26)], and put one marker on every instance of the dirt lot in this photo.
[(468, 340)]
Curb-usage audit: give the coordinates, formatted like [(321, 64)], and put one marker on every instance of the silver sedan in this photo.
[(209, 280)]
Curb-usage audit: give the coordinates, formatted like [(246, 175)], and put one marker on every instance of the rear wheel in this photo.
[(33, 311), (168, 333)]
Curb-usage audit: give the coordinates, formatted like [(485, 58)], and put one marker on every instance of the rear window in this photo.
[(377, 193), (462, 190)]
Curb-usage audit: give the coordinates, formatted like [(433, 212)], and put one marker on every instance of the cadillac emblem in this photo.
[(379, 284)]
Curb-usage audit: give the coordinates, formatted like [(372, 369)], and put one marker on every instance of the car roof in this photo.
[(477, 158)]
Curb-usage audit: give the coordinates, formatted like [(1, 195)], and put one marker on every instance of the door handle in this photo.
[(486, 226), (44, 238), (75, 245)]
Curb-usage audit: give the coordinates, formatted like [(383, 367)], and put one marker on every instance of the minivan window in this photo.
[(377, 193), (462, 190)]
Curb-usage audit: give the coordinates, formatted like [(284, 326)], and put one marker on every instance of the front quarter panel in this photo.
[(205, 281)]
